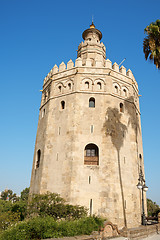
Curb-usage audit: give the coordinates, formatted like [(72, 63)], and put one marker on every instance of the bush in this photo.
[(152, 208), (12, 208), (51, 204), (41, 228), (8, 215)]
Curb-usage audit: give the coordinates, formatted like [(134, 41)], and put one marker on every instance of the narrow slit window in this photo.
[(116, 89), (69, 86), (124, 92), (91, 128), (89, 179), (38, 158), (43, 112), (62, 104), (60, 88), (90, 207), (45, 96), (121, 107)]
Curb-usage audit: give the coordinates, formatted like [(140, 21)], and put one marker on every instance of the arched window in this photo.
[(48, 93), (69, 86), (45, 96), (91, 154), (92, 102), (99, 85), (124, 92), (63, 104), (60, 88), (86, 85), (116, 89), (43, 112), (121, 107), (38, 158)]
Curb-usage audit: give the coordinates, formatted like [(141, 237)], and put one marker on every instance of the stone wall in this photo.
[(67, 124)]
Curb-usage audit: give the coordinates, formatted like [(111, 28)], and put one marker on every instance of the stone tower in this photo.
[(89, 144)]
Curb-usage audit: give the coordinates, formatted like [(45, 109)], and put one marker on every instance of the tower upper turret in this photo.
[(92, 33), (92, 48)]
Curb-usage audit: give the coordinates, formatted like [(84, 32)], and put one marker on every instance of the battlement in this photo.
[(89, 63)]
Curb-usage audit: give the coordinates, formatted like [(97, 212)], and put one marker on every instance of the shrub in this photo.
[(41, 228), (8, 216), (51, 204), (152, 208)]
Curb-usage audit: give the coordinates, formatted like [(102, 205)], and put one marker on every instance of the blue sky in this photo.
[(35, 35)]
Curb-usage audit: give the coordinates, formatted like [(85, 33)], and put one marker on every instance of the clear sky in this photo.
[(35, 35)]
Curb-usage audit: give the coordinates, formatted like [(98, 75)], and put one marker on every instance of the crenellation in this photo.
[(108, 63), (55, 69), (115, 67), (62, 67), (70, 64), (129, 74), (78, 62), (122, 70)]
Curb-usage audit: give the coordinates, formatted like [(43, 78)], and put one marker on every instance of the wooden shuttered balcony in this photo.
[(91, 160)]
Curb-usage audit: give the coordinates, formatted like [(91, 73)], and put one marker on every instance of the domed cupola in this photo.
[(92, 48)]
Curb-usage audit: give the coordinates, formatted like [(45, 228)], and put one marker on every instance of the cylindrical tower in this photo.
[(89, 144)]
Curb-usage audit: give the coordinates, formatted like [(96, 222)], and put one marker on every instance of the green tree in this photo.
[(25, 194), (51, 204), (9, 195), (152, 208), (12, 208), (151, 43), (8, 216)]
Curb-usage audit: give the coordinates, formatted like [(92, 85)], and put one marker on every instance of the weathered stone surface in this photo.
[(67, 125)]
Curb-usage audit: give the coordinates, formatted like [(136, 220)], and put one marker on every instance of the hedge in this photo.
[(48, 227)]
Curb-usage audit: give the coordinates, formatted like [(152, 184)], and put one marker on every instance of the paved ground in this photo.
[(153, 237)]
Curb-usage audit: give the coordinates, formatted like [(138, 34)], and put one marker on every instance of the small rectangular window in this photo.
[(59, 131), (91, 128), (89, 179), (90, 207)]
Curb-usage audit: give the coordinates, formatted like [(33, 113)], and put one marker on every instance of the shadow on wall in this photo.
[(117, 131)]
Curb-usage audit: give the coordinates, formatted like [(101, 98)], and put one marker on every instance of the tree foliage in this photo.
[(51, 204), (48, 227), (12, 208), (151, 43), (25, 194), (39, 205), (152, 208), (9, 195)]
